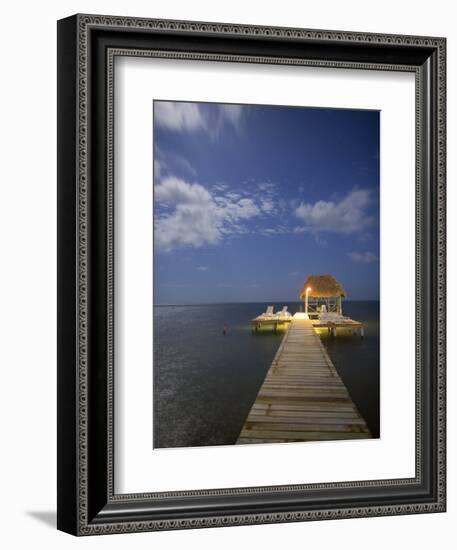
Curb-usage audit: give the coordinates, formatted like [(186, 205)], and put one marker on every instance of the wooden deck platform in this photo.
[(274, 322), (302, 397), (355, 327)]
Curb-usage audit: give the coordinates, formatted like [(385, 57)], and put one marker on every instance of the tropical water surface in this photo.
[(205, 381)]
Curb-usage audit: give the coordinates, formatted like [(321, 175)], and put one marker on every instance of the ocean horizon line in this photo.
[(256, 302)]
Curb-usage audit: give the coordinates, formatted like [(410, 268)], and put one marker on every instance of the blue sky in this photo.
[(249, 200)]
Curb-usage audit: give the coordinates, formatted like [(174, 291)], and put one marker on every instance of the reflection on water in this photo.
[(205, 382)]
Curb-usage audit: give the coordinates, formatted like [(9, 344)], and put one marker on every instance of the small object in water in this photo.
[(224, 330)]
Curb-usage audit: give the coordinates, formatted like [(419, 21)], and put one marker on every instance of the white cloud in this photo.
[(268, 195), (185, 165), (283, 206), (277, 230), (232, 114), (197, 217), (300, 229), (173, 191), (347, 216), (202, 268), (266, 187), (241, 210), (166, 162), (190, 117), (267, 206), (220, 187), (233, 196), (362, 257), (158, 169), (176, 115)]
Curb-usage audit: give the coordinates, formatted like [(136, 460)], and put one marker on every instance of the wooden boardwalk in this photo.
[(302, 397)]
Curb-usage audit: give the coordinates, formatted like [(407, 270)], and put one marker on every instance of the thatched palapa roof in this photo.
[(322, 286)]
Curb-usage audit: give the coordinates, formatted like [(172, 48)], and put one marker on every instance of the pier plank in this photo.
[(302, 397), (326, 423)]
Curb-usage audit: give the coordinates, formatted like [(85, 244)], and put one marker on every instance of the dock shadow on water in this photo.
[(206, 379)]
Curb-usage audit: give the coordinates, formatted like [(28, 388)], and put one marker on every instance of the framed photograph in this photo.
[(251, 274)]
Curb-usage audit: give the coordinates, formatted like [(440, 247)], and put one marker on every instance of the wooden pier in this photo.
[(302, 397)]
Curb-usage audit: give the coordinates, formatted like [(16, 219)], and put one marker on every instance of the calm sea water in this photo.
[(205, 382)]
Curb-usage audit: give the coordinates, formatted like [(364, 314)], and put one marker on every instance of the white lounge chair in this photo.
[(268, 313), (283, 314), (332, 317)]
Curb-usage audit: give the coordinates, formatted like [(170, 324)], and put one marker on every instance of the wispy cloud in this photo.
[(267, 192), (231, 114), (192, 117), (279, 229), (177, 191), (347, 216), (176, 115), (202, 268), (191, 214), (267, 205), (167, 162), (266, 187), (158, 169), (220, 187), (362, 257)]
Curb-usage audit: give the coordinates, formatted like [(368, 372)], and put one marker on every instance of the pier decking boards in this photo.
[(302, 397)]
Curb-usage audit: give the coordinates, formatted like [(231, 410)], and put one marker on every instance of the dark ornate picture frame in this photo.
[(87, 47)]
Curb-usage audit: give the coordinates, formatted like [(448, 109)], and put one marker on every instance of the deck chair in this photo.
[(269, 312), (284, 312)]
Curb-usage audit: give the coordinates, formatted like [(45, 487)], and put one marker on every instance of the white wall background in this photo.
[(28, 270)]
